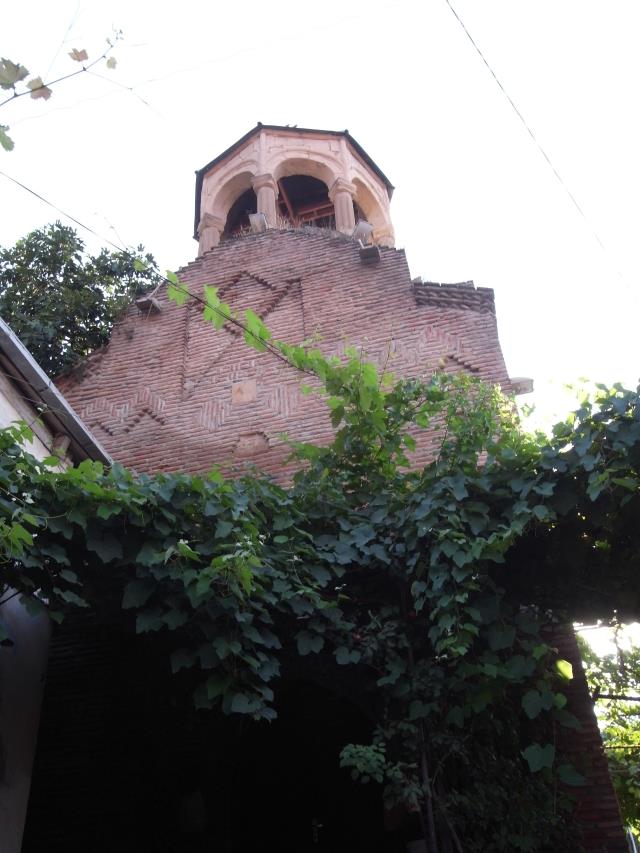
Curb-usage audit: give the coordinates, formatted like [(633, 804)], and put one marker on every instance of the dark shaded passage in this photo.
[(125, 764)]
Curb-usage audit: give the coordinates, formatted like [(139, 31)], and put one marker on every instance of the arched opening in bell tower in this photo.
[(238, 216), (302, 201)]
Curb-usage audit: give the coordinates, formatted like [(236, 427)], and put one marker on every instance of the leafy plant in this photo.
[(437, 586), (617, 675), (61, 302), (13, 78)]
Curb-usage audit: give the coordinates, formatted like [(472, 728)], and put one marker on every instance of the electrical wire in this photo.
[(72, 23), (268, 346), (61, 211), (527, 127)]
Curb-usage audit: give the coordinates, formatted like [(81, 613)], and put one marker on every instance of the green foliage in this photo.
[(618, 674), (61, 302), (412, 578), (13, 78), (366, 762), (538, 756), (5, 140), (11, 73)]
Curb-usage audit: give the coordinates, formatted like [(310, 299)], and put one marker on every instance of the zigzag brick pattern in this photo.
[(160, 394)]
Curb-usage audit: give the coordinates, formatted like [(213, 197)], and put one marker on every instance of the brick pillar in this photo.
[(267, 193), (596, 807), (209, 230), (342, 194)]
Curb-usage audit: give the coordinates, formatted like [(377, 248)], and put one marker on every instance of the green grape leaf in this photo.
[(538, 756), (38, 89), (5, 140), (11, 73), (564, 669)]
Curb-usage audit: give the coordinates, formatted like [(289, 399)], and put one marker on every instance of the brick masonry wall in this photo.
[(171, 393), (596, 806)]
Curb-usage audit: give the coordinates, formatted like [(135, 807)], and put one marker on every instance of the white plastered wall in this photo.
[(14, 408), (23, 665)]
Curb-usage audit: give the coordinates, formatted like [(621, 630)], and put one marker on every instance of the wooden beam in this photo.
[(284, 195), (321, 208)]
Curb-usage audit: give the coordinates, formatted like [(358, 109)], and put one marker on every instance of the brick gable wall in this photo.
[(171, 393)]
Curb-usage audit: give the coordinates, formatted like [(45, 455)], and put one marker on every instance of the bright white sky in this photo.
[(474, 198)]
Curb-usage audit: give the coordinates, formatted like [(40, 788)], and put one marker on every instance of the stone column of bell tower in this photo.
[(342, 193), (209, 231), (266, 192)]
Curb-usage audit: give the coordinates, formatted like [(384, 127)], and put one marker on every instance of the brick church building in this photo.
[(296, 225), (170, 393)]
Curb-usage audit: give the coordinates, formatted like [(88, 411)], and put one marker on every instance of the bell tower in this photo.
[(293, 177)]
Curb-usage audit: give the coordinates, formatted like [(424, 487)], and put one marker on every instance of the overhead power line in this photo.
[(268, 346), (60, 210), (529, 131)]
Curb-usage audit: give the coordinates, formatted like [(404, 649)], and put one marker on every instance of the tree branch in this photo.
[(58, 79)]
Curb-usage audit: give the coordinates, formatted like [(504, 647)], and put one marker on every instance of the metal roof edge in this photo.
[(58, 411)]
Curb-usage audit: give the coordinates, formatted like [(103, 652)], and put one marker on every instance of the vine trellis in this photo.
[(436, 585)]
